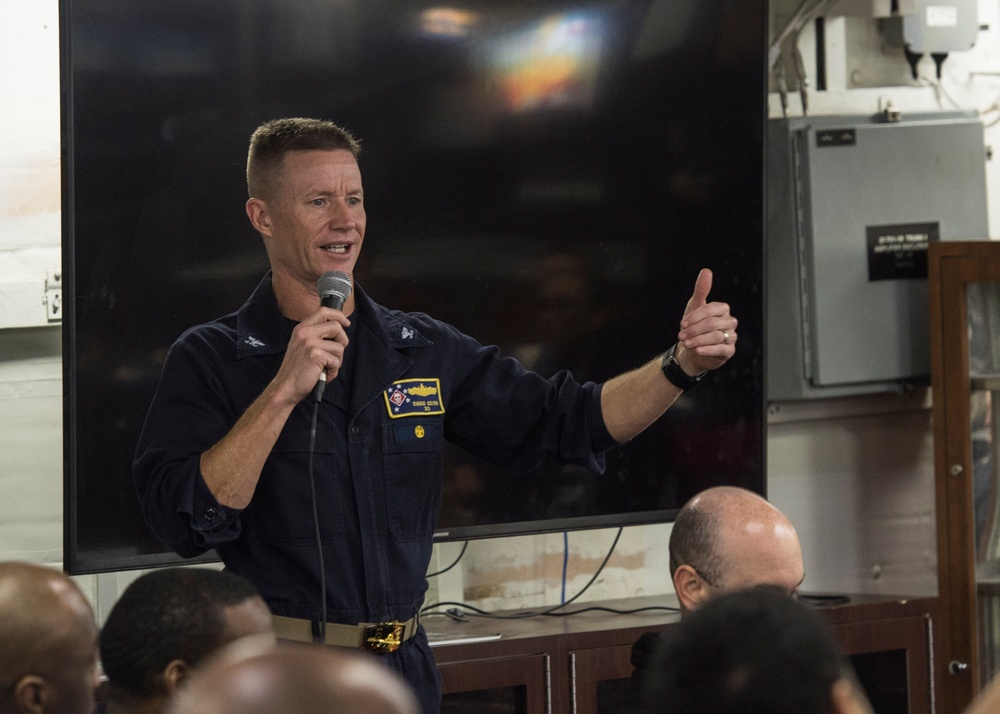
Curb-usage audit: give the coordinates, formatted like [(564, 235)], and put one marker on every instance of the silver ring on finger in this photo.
[(725, 337)]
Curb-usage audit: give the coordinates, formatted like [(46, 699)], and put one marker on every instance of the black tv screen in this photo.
[(547, 176)]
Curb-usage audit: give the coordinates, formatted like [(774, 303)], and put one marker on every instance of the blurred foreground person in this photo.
[(296, 679), (48, 642), (754, 651)]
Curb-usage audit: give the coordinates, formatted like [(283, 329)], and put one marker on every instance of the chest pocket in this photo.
[(411, 451), (283, 497)]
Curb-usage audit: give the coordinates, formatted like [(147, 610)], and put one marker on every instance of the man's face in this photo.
[(316, 222)]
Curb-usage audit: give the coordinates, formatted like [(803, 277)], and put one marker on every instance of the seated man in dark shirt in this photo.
[(166, 623), (726, 538), (753, 651)]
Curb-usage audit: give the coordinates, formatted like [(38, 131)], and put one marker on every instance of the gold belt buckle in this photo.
[(384, 636)]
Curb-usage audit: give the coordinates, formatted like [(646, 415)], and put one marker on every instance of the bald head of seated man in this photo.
[(295, 679), (728, 538), (725, 538), (48, 642)]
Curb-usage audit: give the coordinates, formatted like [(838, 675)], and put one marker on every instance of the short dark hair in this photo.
[(168, 614), (694, 541), (273, 139), (753, 651)]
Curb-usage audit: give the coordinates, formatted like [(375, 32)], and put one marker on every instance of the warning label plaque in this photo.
[(899, 251)]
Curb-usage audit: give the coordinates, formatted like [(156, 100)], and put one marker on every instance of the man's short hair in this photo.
[(174, 613), (273, 139), (754, 651), (694, 541)]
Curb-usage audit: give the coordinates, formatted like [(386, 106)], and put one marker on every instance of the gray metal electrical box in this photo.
[(940, 26), (852, 203)]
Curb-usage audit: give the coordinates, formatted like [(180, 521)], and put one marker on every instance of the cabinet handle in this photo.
[(956, 667), (956, 470)]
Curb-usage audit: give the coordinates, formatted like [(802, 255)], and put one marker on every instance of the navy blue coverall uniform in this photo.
[(413, 382)]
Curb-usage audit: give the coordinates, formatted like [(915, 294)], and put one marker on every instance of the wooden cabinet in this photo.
[(520, 683), (599, 678), (585, 658), (581, 663), (964, 288)]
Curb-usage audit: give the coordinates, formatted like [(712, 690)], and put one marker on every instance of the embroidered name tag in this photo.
[(414, 397)]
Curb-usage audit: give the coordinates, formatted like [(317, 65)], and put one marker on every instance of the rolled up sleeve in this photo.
[(192, 409)]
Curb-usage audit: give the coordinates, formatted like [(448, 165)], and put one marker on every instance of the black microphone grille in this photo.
[(334, 282)]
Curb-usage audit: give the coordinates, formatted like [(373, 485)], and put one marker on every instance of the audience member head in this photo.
[(302, 679), (48, 642), (727, 538), (753, 651), (166, 623)]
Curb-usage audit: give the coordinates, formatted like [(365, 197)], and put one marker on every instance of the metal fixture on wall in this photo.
[(853, 202)]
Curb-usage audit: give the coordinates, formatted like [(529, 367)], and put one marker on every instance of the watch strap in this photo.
[(675, 375)]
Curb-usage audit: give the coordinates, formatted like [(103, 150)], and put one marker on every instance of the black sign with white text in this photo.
[(898, 252)]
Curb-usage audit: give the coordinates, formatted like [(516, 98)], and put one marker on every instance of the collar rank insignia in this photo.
[(406, 332), (414, 397), (253, 341)]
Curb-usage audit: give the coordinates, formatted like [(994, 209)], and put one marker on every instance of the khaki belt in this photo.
[(375, 636)]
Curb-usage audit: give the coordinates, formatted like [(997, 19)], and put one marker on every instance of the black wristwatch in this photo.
[(673, 372)]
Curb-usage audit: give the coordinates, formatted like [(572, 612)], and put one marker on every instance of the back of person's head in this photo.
[(753, 651), (296, 679), (48, 642), (726, 538), (273, 139), (168, 621)]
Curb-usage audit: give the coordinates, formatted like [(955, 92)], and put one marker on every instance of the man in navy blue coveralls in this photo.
[(223, 459)]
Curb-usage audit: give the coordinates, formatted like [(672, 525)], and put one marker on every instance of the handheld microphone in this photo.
[(334, 287)]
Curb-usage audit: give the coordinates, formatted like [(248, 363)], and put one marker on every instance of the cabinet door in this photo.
[(600, 679), (892, 660), (507, 685), (964, 281)]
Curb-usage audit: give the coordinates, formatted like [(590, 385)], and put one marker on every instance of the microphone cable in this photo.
[(317, 398), (333, 287), (454, 563)]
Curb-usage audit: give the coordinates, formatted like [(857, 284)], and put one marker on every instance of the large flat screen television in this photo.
[(548, 176)]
